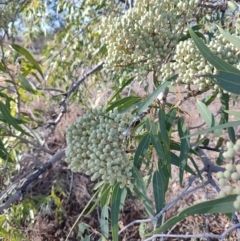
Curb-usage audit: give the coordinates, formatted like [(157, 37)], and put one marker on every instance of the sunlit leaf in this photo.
[(2, 68), (221, 205), (124, 103), (213, 59), (234, 113), (28, 56), (118, 198), (27, 85), (104, 222), (208, 117), (148, 101), (231, 38), (104, 195), (226, 125), (9, 119)]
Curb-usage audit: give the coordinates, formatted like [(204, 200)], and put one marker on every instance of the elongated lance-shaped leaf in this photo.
[(227, 81), (213, 59), (156, 141), (231, 134), (221, 205), (104, 195), (141, 150), (117, 201), (184, 148), (176, 161), (124, 103), (228, 76), (143, 107), (226, 125), (232, 39), (170, 118), (225, 106), (145, 200), (209, 99), (234, 113), (164, 137), (119, 90), (27, 85), (28, 56), (2, 68), (163, 129), (104, 222), (140, 190), (9, 119), (208, 117), (158, 191)]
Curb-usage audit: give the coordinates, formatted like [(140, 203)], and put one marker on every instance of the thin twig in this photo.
[(23, 189), (196, 236)]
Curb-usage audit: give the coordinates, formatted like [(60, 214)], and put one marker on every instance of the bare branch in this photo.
[(23, 189)]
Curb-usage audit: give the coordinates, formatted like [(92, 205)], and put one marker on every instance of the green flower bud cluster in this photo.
[(232, 149), (191, 65), (232, 173), (145, 36), (96, 144)]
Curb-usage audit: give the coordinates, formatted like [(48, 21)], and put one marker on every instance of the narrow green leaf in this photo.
[(232, 112), (104, 195), (9, 119), (164, 137), (227, 81), (146, 202), (221, 205), (220, 159), (176, 161), (117, 201), (28, 56), (232, 5), (141, 151), (218, 63), (170, 118), (158, 190), (157, 144), (225, 106), (165, 174), (27, 85), (184, 148), (119, 90), (104, 222), (209, 99), (124, 103), (231, 134), (195, 166), (226, 125), (148, 101), (206, 141), (163, 129), (207, 117), (140, 190), (2, 68), (232, 39), (219, 143)]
